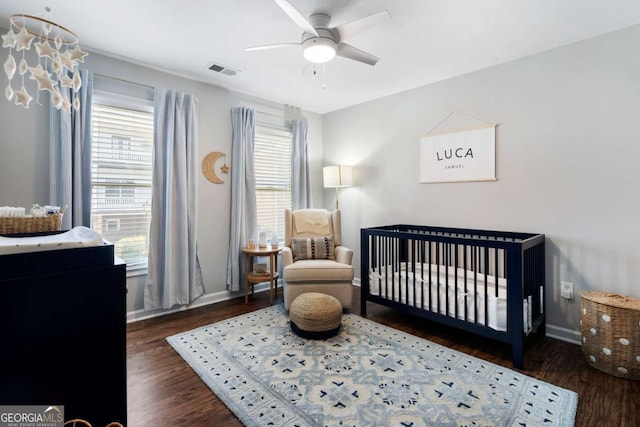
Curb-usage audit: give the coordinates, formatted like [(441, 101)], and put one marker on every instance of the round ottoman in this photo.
[(314, 315)]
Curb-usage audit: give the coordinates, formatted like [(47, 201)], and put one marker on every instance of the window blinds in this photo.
[(272, 152), (122, 157)]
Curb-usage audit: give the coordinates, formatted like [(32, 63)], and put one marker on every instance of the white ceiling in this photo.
[(424, 42)]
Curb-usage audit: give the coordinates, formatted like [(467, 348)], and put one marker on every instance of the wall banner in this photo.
[(459, 156)]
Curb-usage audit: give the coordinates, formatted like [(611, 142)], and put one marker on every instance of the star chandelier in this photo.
[(55, 68)]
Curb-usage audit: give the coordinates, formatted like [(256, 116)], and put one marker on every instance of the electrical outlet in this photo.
[(566, 290)]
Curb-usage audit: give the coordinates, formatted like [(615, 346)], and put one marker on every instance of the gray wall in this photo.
[(24, 163), (567, 152), (567, 157)]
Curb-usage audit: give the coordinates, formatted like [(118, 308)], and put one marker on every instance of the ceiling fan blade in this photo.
[(354, 27), (348, 51), (271, 46), (297, 17)]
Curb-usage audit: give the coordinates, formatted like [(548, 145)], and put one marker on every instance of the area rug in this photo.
[(367, 375)]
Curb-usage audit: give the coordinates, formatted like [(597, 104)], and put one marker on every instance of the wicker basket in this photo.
[(611, 333), (35, 224)]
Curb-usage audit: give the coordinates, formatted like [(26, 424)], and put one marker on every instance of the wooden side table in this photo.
[(251, 278)]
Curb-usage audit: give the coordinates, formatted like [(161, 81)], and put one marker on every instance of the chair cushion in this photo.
[(318, 270), (313, 248)]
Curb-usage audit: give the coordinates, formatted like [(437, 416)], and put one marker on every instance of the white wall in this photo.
[(568, 147), (24, 163)]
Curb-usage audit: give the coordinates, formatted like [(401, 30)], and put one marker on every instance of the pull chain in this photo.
[(324, 77)]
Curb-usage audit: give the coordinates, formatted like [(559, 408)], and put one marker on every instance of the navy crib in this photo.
[(490, 283)]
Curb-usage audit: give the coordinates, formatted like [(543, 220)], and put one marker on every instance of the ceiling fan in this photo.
[(320, 43)]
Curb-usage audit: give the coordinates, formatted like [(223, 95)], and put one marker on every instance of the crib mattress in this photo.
[(431, 287)]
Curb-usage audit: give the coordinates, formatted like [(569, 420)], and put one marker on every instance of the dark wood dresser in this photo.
[(63, 332)]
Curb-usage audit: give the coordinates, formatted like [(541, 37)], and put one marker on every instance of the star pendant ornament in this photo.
[(9, 39), (224, 168), (65, 59), (22, 97), (37, 72), (66, 81), (24, 39), (77, 54), (43, 78), (45, 49)]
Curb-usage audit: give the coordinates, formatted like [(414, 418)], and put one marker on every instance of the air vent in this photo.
[(223, 69)]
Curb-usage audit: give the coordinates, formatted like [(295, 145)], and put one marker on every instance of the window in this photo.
[(111, 225), (273, 177), (121, 164), (120, 194)]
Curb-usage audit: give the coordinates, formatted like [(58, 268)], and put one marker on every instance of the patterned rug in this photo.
[(367, 375)]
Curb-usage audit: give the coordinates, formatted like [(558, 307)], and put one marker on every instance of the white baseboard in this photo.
[(563, 334), (207, 299)]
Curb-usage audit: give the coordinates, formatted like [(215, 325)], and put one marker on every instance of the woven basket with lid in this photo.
[(611, 333)]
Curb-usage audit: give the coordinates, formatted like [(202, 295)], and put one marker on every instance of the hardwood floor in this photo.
[(164, 391)]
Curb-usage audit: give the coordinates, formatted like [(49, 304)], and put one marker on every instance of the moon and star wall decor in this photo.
[(209, 166)]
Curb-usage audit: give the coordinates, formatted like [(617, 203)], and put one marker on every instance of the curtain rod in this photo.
[(124, 81)]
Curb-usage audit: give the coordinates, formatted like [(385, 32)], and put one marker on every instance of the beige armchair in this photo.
[(314, 259)]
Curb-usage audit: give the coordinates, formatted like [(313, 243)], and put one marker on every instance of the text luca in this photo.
[(459, 153)]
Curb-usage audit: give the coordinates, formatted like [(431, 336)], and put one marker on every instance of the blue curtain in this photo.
[(300, 185), (174, 275), (244, 214), (70, 156)]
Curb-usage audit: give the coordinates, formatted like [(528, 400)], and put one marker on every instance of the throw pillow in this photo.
[(313, 248)]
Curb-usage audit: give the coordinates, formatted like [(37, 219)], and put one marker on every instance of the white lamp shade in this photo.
[(337, 176)]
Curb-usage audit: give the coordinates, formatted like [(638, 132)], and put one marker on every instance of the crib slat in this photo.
[(466, 283), (446, 278), (474, 262), (387, 265), (430, 281), (455, 286)]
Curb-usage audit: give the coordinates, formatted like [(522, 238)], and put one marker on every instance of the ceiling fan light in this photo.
[(319, 50)]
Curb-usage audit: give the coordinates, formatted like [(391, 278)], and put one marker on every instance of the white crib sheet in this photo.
[(77, 237), (391, 285)]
